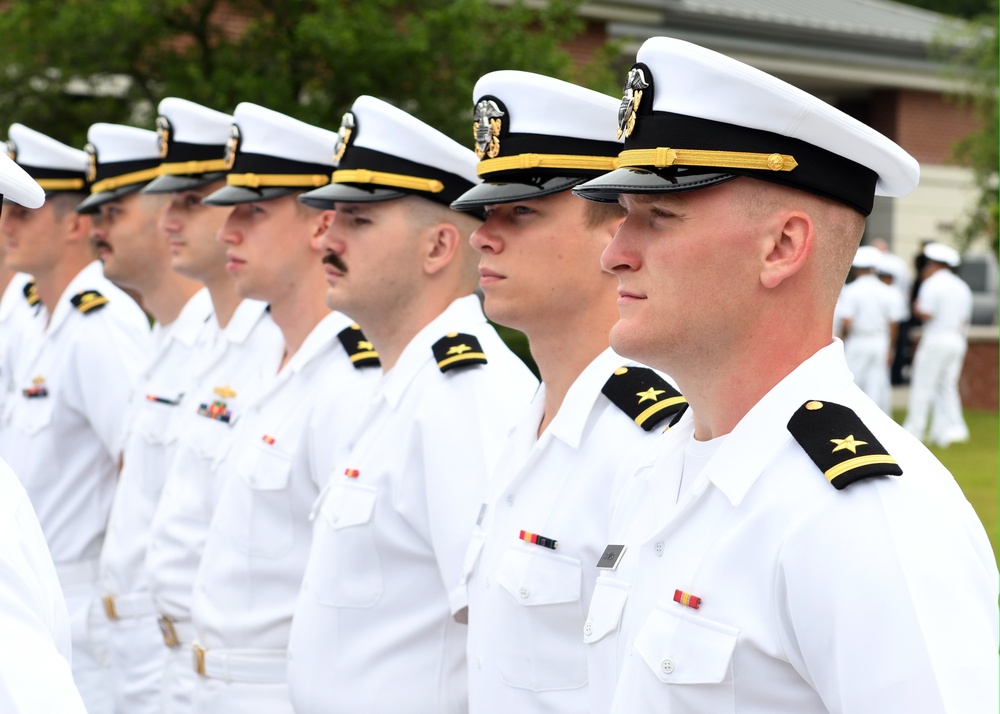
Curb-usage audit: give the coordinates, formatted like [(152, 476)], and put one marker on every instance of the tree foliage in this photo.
[(70, 63)]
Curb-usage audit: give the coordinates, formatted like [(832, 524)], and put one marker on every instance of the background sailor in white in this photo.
[(543, 524), (392, 526), (944, 303), (141, 260), (870, 313), (35, 653), (18, 302), (788, 549), (256, 549), (72, 377), (240, 337)]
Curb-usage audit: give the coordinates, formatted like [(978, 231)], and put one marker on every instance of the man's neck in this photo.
[(297, 318), (224, 297), (5, 277), (51, 284), (390, 334), (167, 298)]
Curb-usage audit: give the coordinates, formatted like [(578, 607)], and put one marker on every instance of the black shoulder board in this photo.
[(840, 444), (89, 301), (359, 349), (643, 395), (458, 350), (31, 293)]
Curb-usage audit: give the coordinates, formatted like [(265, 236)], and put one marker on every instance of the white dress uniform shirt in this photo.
[(227, 369), (255, 553), (135, 645), (871, 306), (35, 674), (527, 603), (938, 360), (72, 380), (374, 629), (881, 597)]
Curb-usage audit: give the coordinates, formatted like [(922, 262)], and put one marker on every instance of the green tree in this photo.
[(70, 63)]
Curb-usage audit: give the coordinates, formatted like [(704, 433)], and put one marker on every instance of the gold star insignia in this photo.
[(849, 443), (458, 349), (650, 393), (365, 345)]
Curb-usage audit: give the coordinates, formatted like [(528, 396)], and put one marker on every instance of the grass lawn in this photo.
[(976, 468)]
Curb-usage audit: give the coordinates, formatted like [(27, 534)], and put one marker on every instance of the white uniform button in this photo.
[(667, 666), (510, 499), (658, 548), (588, 628), (523, 592)]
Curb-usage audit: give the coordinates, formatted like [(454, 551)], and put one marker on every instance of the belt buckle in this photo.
[(109, 607), (199, 659), (168, 631)]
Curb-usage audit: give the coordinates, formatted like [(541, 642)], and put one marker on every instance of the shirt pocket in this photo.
[(692, 652), (261, 510), (538, 647), (154, 426), (30, 416), (350, 571)]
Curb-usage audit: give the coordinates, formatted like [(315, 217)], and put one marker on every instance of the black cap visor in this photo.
[(325, 197), (607, 188), (93, 202), (486, 194), (235, 195), (171, 183)]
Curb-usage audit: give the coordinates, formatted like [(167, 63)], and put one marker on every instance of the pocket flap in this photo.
[(154, 423), (265, 468), (686, 650), (606, 607), (349, 504), (539, 578)]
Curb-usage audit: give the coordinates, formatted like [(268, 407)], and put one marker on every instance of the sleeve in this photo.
[(35, 674), (108, 359), (928, 297), (897, 308), (886, 604), (452, 431)]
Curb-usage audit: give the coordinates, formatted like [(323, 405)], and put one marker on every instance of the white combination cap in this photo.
[(123, 159), (868, 256), (269, 155), (535, 135), (17, 186), (384, 153), (53, 164), (941, 253), (192, 145), (693, 118)]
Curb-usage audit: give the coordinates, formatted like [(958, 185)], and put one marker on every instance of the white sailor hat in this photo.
[(384, 153), (192, 142), (941, 253), (54, 165), (867, 257), (123, 159), (693, 118), (536, 135), (270, 155)]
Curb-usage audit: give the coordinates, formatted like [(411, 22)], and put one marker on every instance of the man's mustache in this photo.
[(336, 261)]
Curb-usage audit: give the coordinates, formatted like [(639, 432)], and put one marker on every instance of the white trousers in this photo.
[(937, 366), (178, 680), (89, 627), (136, 651), (216, 696), (867, 358)]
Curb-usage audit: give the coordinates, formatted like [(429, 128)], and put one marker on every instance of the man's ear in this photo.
[(441, 243), (323, 221), (788, 249), (79, 226)]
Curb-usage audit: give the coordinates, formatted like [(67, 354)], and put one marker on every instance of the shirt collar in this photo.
[(321, 336), (191, 320), (569, 422), (462, 315), (752, 445), (246, 316), (89, 278)]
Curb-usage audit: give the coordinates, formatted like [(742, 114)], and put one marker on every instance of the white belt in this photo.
[(120, 607), (176, 632), (252, 666), (79, 573)]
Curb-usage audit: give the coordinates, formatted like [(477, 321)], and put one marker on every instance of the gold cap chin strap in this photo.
[(279, 180), (381, 178), (662, 157), (110, 184), (546, 161), (183, 168)]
